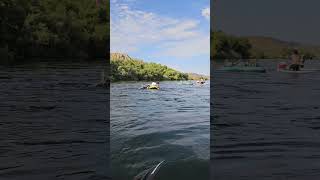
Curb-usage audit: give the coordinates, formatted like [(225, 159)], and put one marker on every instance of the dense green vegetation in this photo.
[(49, 28), (229, 47), (128, 69), (226, 46)]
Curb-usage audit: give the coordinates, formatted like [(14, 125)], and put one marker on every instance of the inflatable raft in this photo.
[(283, 67), (153, 87)]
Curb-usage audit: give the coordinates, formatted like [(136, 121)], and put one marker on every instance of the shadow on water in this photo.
[(148, 150)]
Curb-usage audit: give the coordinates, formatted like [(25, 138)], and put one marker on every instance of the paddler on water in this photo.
[(153, 85), (296, 61), (156, 84), (202, 81)]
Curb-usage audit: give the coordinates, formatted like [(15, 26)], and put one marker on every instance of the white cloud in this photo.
[(206, 12), (187, 48), (134, 30)]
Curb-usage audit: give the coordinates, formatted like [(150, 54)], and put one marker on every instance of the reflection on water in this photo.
[(266, 126), (148, 126), (53, 122)]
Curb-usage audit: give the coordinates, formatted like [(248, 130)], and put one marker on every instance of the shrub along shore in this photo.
[(125, 68)]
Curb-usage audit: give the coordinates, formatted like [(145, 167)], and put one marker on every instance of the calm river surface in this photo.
[(266, 125), (171, 124), (53, 122)]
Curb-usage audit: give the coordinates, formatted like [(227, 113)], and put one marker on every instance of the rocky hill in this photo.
[(119, 56), (195, 76), (267, 47)]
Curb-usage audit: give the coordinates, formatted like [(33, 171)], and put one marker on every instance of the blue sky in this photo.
[(171, 32)]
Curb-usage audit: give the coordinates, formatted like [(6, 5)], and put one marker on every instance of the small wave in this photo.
[(48, 108), (59, 142), (75, 173)]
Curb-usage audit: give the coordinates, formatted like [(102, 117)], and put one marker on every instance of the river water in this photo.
[(266, 125), (149, 126), (53, 125), (53, 122)]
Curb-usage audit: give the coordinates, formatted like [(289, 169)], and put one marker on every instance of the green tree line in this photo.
[(137, 70), (49, 28), (225, 46)]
